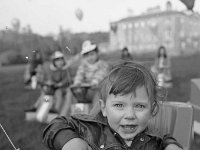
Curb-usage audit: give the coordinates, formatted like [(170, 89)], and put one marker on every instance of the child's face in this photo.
[(59, 63), (91, 57), (129, 114)]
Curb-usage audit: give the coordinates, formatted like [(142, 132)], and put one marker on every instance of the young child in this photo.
[(58, 73), (34, 67), (128, 100)]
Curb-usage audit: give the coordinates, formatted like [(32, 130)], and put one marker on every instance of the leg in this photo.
[(39, 100), (58, 99), (65, 111)]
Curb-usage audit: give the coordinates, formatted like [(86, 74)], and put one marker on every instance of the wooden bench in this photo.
[(175, 118), (195, 101)]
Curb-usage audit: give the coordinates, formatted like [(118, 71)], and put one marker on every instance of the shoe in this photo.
[(53, 111), (31, 110)]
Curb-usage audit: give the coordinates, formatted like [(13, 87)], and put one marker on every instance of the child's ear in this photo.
[(103, 107)]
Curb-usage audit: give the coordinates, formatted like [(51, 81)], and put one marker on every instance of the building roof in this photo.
[(149, 15)]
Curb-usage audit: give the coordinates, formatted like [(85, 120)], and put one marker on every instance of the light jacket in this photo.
[(55, 75), (91, 73)]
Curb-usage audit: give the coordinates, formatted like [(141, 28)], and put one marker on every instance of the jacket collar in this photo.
[(141, 138), (99, 118)]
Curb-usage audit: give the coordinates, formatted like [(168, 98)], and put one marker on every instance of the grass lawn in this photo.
[(14, 98)]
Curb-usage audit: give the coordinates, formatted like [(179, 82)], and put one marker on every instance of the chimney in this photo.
[(168, 6)]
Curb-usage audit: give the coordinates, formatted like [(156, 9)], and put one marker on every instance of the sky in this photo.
[(46, 16)]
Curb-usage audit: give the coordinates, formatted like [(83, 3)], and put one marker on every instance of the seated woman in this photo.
[(128, 101), (162, 64), (33, 68), (125, 54), (91, 72)]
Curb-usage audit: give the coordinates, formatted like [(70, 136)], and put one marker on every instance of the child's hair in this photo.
[(125, 77), (159, 52)]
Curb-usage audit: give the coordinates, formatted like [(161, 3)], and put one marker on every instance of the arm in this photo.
[(173, 147), (76, 144), (79, 74), (39, 73), (67, 80), (100, 74), (44, 74), (170, 143), (59, 132)]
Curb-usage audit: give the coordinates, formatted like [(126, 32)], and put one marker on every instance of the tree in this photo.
[(16, 24), (27, 29)]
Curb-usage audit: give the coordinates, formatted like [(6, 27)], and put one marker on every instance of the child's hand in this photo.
[(76, 144), (60, 84), (94, 83), (173, 147), (76, 85)]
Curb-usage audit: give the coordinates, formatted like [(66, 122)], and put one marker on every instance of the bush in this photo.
[(13, 58)]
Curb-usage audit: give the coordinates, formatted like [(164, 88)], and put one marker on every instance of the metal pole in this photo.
[(9, 138)]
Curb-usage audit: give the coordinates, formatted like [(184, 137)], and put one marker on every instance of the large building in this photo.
[(177, 31)]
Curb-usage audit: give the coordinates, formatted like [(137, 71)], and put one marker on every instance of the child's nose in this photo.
[(130, 113)]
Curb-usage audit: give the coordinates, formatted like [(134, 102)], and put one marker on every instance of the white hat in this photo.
[(87, 46), (57, 54)]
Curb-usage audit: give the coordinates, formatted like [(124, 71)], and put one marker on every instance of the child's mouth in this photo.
[(129, 128)]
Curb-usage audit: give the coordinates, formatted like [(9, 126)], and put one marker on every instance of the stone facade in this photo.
[(177, 31)]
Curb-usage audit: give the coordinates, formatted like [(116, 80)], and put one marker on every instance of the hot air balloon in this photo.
[(188, 3), (79, 14)]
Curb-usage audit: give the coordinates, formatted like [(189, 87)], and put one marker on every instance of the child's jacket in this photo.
[(56, 76), (91, 73), (96, 132)]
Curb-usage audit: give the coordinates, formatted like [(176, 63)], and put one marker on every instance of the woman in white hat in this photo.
[(92, 70)]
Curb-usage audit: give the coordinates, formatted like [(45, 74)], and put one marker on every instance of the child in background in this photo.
[(57, 72), (92, 70), (128, 100), (34, 67)]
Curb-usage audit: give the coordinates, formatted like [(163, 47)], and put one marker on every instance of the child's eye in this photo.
[(140, 106), (118, 105)]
